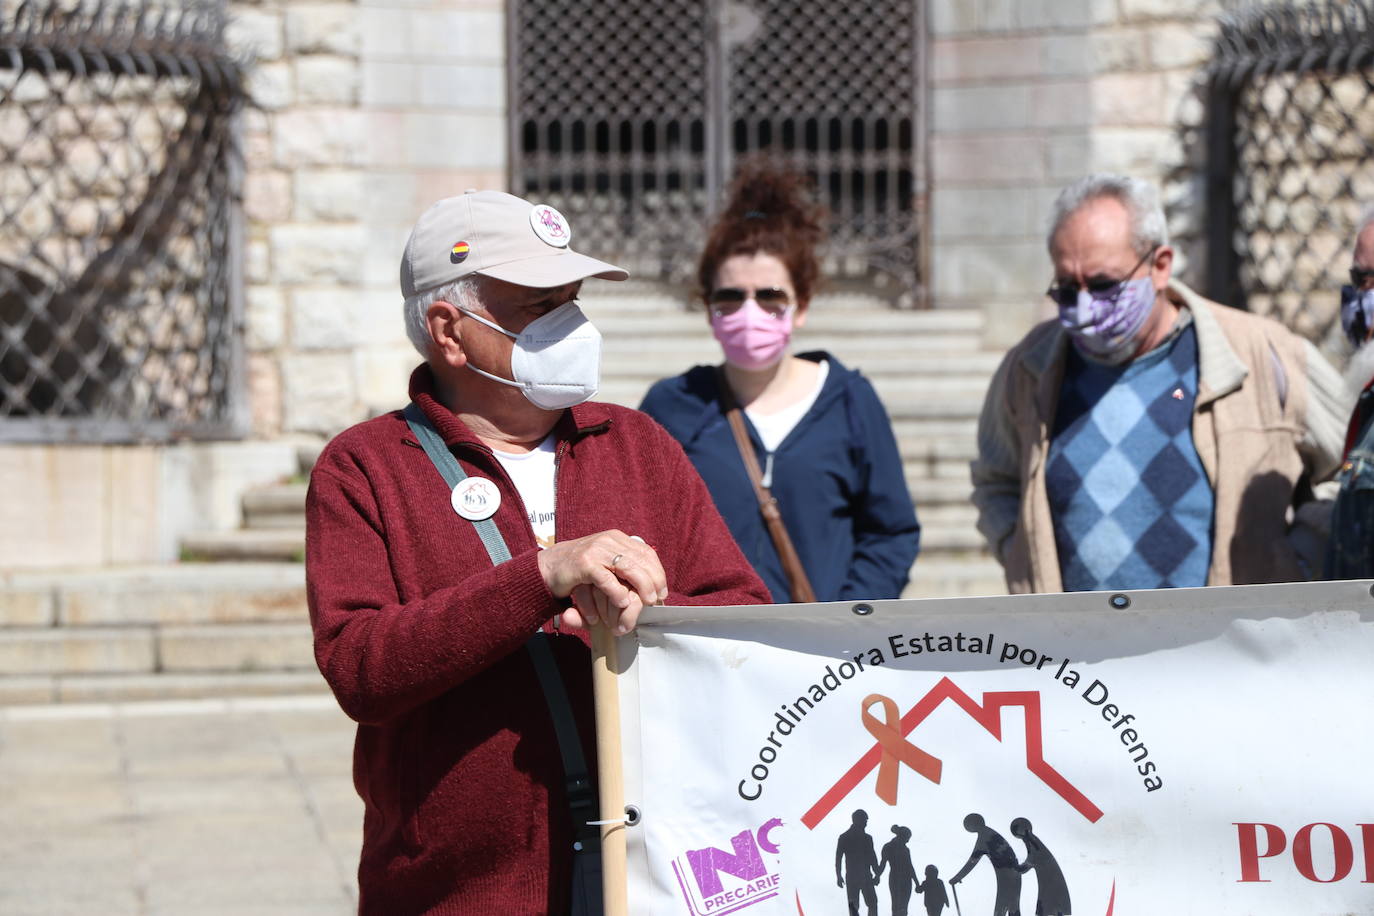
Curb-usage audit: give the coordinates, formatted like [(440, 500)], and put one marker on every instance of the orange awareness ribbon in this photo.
[(895, 748)]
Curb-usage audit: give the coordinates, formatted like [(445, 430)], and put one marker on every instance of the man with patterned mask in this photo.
[(456, 550), (1147, 437), (1351, 553)]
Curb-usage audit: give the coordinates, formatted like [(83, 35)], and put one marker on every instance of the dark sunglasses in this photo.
[(1359, 278), (1066, 294), (729, 299)]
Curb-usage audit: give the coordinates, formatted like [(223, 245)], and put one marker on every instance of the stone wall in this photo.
[(1027, 96), (368, 112)]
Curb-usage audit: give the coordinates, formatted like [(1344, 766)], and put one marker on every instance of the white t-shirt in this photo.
[(774, 427), (532, 473)]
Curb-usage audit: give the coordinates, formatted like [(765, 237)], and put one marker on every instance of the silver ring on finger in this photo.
[(616, 559)]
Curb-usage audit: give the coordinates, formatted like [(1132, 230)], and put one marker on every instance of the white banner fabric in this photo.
[(1174, 751)]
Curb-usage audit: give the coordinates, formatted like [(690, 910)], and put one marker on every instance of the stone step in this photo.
[(70, 650), (957, 540), (280, 506), (913, 429), (939, 491), (172, 595), (246, 544), (916, 449), (939, 517), (118, 688), (237, 648), (940, 577)]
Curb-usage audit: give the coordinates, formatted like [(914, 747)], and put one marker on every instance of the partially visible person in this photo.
[(428, 641), (1150, 438), (821, 439), (1351, 547)]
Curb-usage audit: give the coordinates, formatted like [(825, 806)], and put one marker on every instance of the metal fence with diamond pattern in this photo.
[(1290, 137), (119, 300)]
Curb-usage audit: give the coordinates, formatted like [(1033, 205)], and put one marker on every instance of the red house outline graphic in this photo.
[(987, 714)]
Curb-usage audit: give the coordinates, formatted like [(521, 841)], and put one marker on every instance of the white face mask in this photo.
[(557, 358)]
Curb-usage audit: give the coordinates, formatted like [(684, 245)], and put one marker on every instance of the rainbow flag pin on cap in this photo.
[(459, 252)]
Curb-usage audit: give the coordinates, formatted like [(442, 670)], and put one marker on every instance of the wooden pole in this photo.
[(605, 671)]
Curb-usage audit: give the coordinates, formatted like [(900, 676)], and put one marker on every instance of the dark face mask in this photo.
[(1357, 314)]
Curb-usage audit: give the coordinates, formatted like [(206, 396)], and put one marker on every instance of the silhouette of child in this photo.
[(932, 891)]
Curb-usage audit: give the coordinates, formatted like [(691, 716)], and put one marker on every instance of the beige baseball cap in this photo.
[(496, 235)]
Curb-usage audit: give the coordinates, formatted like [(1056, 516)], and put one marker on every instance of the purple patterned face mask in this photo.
[(1105, 329), (1357, 314)]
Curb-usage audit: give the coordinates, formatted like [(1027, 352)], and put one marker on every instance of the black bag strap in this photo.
[(580, 789)]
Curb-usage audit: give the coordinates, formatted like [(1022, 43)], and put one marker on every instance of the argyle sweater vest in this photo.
[(1131, 504)]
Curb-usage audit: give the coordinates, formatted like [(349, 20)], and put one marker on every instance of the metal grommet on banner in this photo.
[(632, 815), (1120, 602), (1371, 591), (863, 610)]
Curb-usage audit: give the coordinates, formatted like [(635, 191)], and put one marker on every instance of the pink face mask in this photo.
[(751, 337)]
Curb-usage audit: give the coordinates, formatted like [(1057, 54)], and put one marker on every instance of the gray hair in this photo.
[(1148, 226), (461, 292)]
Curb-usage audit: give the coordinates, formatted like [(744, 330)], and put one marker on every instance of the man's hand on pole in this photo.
[(610, 577)]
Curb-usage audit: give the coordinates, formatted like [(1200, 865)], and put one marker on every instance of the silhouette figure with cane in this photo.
[(999, 853), (1052, 892)]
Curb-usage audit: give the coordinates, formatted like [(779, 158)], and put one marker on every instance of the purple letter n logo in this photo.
[(708, 863), (753, 881)]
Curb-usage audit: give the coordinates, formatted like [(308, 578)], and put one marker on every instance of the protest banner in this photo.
[(1175, 751)]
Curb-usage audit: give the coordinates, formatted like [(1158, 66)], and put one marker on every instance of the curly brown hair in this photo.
[(771, 211)]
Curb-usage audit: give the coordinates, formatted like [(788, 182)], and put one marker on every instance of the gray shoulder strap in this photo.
[(453, 474)]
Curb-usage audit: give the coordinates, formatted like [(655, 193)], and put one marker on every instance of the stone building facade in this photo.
[(367, 111)]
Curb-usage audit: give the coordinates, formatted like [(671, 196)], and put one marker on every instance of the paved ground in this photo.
[(240, 807)]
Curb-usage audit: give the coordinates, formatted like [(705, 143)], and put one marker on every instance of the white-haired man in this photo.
[(441, 539), (1148, 437), (1351, 553)]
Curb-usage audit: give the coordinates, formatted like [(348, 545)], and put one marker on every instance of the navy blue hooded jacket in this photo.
[(837, 478)]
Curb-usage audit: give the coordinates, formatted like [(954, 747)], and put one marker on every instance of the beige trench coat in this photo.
[(1270, 412)]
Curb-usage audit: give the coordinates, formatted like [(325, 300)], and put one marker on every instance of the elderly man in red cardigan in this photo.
[(422, 635)]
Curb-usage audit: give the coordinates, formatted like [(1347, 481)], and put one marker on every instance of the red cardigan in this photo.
[(420, 638)]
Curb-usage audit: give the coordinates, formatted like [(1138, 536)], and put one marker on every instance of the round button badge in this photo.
[(475, 499), (550, 225)]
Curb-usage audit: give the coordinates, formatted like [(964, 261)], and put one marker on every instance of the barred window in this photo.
[(118, 229), (1291, 120), (630, 115)]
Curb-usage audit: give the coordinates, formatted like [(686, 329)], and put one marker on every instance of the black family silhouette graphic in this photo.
[(862, 870)]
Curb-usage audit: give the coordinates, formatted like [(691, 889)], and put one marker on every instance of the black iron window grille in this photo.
[(1290, 133), (629, 115), (119, 230)]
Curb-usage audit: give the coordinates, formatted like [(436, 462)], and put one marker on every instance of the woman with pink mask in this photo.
[(820, 440)]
